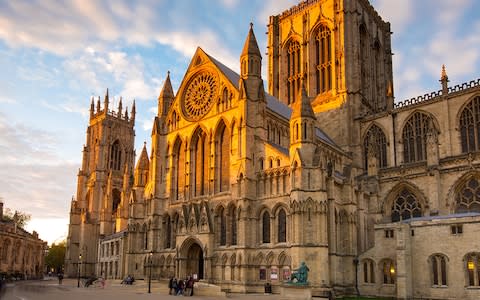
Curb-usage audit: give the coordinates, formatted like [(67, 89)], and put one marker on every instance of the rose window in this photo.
[(199, 95)]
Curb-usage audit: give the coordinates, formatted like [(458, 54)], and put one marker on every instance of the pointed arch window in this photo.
[(145, 237), (439, 270), (470, 126), (234, 227), (178, 174), (415, 137), (375, 138), (468, 196), (223, 228), (266, 227), (115, 156), (168, 233), (199, 164), (293, 70), (323, 56), (364, 58), (222, 159), (282, 226), (405, 206)]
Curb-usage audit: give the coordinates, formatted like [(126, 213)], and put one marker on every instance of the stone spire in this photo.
[(302, 107), (166, 97), (444, 81), (105, 102), (143, 161), (92, 108), (120, 107), (251, 59), (141, 170), (251, 46), (133, 111)]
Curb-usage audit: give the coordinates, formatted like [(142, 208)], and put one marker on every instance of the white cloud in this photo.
[(398, 13), (35, 179), (7, 100), (449, 11)]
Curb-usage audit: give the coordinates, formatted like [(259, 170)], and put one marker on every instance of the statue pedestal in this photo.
[(295, 292)]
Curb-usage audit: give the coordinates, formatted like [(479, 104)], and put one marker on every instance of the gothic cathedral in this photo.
[(244, 182)]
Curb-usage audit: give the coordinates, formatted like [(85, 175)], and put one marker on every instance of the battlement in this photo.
[(103, 112), (300, 7), (435, 96)]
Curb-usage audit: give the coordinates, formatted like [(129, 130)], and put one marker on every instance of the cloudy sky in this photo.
[(54, 55)]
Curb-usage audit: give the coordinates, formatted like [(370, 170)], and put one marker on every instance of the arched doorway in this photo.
[(195, 261)]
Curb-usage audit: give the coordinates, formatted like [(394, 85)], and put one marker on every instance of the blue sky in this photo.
[(55, 55)]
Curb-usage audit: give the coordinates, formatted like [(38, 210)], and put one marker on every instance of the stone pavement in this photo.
[(50, 289)]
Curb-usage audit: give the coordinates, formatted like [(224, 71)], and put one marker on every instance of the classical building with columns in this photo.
[(243, 182)]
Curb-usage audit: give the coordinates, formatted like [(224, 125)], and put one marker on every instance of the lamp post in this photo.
[(78, 273), (150, 272)]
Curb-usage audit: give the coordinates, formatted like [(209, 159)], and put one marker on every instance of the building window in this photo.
[(178, 173), (293, 70), (199, 163), (389, 234), (388, 271), (415, 137), (375, 142), (439, 270), (468, 197), (405, 207), (222, 153), (470, 126), (223, 228), (145, 239), (368, 271), (168, 233), (473, 270), (234, 227), (323, 56), (282, 226), (266, 227), (115, 156), (456, 229)]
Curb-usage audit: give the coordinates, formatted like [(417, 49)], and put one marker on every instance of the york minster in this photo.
[(247, 176)]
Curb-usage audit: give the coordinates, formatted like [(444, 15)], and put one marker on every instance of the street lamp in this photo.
[(150, 272), (78, 273)]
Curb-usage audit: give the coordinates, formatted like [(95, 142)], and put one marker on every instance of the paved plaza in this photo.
[(51, 290)]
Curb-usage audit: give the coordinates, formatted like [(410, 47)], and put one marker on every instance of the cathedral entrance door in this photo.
[(195, 261)]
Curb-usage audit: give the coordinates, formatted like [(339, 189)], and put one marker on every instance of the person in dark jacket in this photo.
[(170, 286)]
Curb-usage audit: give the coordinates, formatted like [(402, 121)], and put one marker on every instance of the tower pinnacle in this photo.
[(166, 96)]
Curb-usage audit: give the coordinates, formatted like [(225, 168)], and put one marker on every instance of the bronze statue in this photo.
[(300, 274)]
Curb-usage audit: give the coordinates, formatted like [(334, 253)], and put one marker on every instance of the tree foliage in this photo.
[(56, 256), (18, 217)]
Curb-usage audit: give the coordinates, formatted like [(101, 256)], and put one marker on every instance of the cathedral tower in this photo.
[(341, 50), (107, 156)]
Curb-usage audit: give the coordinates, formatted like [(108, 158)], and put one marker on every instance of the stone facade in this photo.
[(240, 185), (21, 253)]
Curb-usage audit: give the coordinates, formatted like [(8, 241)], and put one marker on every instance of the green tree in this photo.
[(18, 217), (55, 257)]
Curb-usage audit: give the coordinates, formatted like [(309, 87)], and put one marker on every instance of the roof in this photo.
[(143, 161), (273, 103), (443, 217), (279, 148), (251, 46), (324, 137), (302, 107), (167, 90)]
